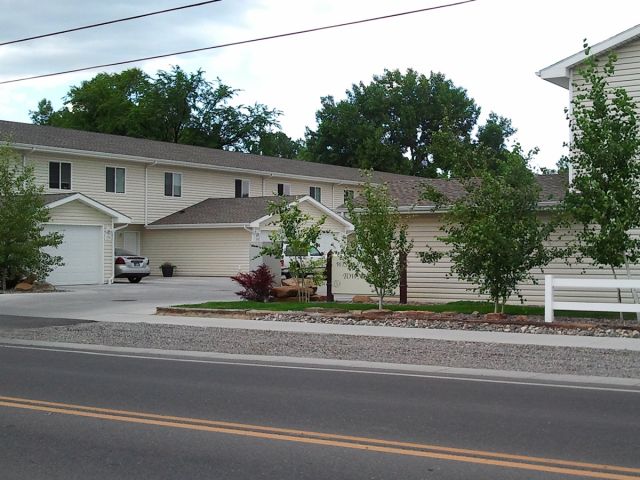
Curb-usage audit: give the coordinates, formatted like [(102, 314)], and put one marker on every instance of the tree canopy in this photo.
[(404, 123), (22, 218), (605, 198), (175, 106), (379, 241), (495, 232)]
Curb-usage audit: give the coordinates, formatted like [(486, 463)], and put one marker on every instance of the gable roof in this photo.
[(407, 193), (92, 144), (559, 72), (57, 199), (221, 211), (234, 213)]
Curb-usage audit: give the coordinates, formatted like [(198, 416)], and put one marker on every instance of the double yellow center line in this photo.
[(505, 460)]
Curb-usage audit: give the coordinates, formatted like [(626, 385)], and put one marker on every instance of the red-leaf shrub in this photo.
[(257, 284)]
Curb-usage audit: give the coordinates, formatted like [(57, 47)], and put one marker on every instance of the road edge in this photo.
[(434, 371)]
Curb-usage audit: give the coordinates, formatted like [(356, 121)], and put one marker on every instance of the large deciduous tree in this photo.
[(175, 106), (22, 215), (379, 240), (405, 123)]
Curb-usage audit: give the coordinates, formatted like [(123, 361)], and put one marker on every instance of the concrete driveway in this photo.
[(119, 301)]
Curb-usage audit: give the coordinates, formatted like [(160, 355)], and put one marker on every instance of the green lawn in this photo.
[(459, 307)]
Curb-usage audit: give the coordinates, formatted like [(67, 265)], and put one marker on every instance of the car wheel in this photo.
[(135, 279)]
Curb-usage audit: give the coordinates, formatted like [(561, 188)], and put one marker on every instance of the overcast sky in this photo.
[(492, 48)]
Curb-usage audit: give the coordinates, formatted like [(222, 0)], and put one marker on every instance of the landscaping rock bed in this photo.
[(423, 319)]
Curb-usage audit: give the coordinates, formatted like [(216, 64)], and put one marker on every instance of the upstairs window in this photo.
[(315, 193), (60, 175), (242, 188), (284, 189), (172, 184), (348, 195), (115, 180)]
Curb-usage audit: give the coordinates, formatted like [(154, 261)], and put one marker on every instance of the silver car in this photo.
[(130, 266)]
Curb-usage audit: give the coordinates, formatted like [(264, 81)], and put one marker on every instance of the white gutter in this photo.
[(181, 226), (183, 164)]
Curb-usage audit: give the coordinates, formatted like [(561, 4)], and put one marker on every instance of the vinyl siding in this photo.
[(627, 70), (329, 223), (198, 252), (433, 283), (332, 193), (76, 213), (88, 176)]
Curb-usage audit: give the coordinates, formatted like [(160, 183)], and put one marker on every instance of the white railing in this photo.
[(551, 282)]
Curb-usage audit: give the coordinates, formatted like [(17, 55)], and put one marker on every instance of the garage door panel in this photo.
[(82, 254)]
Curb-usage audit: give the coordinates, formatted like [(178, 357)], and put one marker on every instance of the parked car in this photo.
[(288, 257), (130, 266)]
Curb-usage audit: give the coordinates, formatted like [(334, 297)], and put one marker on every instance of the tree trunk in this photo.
[(495, 305), (634, 293), (619, 293), (380, 302)]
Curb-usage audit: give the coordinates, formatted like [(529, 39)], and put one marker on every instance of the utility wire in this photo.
[(242, 42), (26, 39)]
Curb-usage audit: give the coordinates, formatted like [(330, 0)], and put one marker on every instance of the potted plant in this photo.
[(167, 269)]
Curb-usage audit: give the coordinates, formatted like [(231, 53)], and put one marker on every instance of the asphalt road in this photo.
[(77, 416)]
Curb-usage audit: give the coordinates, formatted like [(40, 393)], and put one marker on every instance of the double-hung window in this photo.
[(315, 193), (242, 188), (348, 195), (115, 180), (284, 189), (172, 184), (60, 175)]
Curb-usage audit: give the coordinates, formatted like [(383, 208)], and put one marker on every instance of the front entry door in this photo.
[(131, 242)]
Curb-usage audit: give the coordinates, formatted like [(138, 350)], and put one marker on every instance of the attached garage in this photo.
[(213, 237), (82, 250), (87, 227)]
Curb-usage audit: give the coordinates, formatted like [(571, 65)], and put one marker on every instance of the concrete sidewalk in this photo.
[(611, 343)]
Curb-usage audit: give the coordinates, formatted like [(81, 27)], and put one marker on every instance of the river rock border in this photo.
[(494, 322)]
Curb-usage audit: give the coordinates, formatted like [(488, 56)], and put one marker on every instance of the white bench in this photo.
[(551, 282)]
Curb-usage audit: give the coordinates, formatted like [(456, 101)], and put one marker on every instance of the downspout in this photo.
[(146, 192), (24, 157)]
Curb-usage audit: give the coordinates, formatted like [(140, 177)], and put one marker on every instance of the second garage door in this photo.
[(82, 254)]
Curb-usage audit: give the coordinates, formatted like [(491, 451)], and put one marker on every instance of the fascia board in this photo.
[(149, 160), (183, 226), (117, 216)]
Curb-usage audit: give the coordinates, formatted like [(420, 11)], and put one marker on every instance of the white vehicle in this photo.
[(289, 256)]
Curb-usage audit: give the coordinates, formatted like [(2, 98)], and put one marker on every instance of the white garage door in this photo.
[(82, 253)]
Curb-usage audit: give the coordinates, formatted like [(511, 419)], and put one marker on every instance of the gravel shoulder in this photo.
[(526, 358)]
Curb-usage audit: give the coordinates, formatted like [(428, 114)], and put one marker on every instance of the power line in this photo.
[(242, 42), (94, 25)]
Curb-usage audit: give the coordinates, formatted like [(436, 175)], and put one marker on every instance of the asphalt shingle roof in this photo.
[(405, 189), (222, 210), (30, 134)]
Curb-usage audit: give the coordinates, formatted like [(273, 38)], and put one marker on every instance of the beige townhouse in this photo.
[(195, 207), (201, 208)]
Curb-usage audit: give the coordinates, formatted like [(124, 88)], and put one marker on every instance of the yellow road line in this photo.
[(300, 436)]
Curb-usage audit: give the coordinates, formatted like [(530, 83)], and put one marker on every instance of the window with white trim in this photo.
[(60, 175), (348, 195), (115, 180), (315, 193), (172, 184), (284, 189), (242, 188)]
